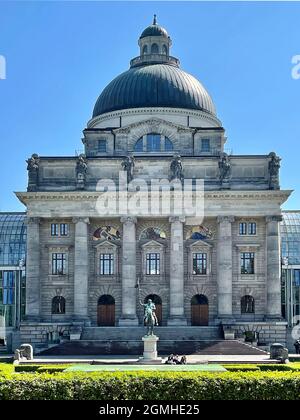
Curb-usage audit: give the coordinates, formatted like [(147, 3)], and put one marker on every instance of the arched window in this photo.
[(145, 50), (58, 305), (107, 232), (247, 305), (154, 49), (139, 145), (165, 50), (153, 233)]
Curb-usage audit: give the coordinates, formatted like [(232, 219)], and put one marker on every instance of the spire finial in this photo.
[(154, 20)]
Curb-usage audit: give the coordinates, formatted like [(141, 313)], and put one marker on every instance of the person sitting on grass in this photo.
[(183, 360), (170, 360)]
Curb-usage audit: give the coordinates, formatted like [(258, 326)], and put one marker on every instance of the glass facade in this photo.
[(12, 268), (290, 252)]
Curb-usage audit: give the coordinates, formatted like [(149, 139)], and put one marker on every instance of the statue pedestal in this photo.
[(150, 350)]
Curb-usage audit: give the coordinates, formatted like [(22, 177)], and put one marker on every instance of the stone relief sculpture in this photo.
[(224, 169), (176, 168), (81, 170), (33, 172), (128, 166), (274, 166)]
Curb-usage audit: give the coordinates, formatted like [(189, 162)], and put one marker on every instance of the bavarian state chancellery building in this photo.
[(69, 271)]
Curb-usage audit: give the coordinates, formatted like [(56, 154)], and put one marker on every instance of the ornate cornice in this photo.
[(225, 219), (152, 122), (128, 220), (138, 111), (276, 218)]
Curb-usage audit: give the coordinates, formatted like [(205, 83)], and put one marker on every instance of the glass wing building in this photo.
[(290, 251), (12, 273)]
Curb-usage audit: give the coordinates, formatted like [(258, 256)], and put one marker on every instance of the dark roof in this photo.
[(154, 30), (158, 85)]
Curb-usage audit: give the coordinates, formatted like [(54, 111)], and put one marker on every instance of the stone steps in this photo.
[(165, 333), (165, 347)]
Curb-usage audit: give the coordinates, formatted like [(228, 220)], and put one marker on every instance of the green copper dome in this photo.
[(158, 85)]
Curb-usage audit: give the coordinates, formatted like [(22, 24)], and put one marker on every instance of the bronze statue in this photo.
[(33, 172), (176, 168), (273, 167), (150, 318), (128, 166)]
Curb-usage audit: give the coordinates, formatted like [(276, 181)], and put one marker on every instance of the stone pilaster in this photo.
[(224, 267), (177, 316), (81, 269), (273, 268), (128, 272), (33, 269)]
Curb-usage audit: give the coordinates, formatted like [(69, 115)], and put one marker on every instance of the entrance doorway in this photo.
[(199, 310), (158, 303), (106, 311)]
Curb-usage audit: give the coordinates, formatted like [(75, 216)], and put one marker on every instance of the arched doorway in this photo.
[(106, 311), (158, 303), (199, 310)]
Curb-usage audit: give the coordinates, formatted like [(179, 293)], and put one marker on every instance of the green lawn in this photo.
[(141, 367)]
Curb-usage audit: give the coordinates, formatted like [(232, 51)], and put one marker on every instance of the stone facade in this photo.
[(242, 211)]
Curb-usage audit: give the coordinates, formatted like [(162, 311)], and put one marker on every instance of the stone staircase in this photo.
[(127, 341)]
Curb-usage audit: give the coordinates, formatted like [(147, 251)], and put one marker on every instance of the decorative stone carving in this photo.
[(33, 172), (224, 170), (176, 168), (81, 170), (273, 167), (128, 167)]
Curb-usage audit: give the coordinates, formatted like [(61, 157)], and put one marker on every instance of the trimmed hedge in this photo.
[(152, 386), (275, 367), (41, 368), (241, 368)]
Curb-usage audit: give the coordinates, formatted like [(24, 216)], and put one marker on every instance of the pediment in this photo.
[(106, 244), (154, 123), (152, 244), (201, 243)]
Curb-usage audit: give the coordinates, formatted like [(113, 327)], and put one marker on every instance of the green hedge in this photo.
[(275, 367), (41, 368), (152, 386), (241, 368)]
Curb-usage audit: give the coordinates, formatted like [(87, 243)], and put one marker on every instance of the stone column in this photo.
[(224, 267), (33, 269), (81, 269), (176, 273), (273, 268), (128, 272)]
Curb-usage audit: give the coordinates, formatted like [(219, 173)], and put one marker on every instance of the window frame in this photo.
[(208, 143), (203, 259), (55, 260), (243, 262), (111, 264), (102, 142), (150, 258)]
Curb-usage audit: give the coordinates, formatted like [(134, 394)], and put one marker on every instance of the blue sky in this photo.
[(60, 55)]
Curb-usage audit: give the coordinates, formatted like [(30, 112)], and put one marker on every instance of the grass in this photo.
[(146, 368)]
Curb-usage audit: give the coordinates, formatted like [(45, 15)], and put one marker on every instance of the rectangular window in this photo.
[(8, 288), (247, 263), (205, 145), (243, 228), (102, 146), (106, 264), (199, 264), (59, 264), (252, 228), (153, 264), (54, 229), (64, 229)]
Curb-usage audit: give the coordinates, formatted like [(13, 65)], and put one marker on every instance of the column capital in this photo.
[(174, 219), (128, 220), (228, 219), (81, 219), (276, 218)]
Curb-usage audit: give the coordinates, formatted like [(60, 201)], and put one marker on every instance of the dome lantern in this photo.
[(154, 40)]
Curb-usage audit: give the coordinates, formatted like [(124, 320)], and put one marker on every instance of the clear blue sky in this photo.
[(60, 55)]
